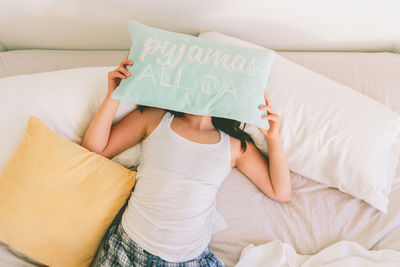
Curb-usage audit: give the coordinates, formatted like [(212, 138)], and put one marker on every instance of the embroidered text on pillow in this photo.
[(209, 83), (195, 54)]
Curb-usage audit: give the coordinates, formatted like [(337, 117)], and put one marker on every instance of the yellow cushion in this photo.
[(57, 199)]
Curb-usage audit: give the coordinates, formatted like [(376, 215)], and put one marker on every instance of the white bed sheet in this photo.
[(317, 216)]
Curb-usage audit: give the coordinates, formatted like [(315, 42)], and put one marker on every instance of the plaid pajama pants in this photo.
[(120, 250)]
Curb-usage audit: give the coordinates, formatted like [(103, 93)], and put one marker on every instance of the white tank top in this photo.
[(172, 210)]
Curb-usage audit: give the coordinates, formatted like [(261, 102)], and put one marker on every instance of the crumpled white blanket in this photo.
[(343, 253)]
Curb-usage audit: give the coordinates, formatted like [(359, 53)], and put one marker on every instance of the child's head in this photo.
[(229, 126)]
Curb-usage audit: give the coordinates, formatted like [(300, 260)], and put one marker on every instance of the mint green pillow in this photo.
[(193, 75)]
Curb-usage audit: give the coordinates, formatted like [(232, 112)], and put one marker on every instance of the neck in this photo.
[(198, 122)]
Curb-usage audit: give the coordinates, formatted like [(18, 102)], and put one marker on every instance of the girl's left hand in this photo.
[(273, 119)]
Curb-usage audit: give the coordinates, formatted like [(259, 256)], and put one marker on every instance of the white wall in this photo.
[(308, 25)]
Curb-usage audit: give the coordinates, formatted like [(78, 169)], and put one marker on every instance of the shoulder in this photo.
[(238, 154), (153, 116), (153, 112), (235, 150)]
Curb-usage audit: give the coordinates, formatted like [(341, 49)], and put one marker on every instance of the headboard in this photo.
[(308, 25)]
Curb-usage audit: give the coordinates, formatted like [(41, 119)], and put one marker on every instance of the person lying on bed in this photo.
[(169, 216)]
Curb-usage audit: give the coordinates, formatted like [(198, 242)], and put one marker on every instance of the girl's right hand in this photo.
[(115, 76)]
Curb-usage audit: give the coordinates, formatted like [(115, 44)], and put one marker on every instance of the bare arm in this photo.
[(98, 133), (279, 169), (272, 178)]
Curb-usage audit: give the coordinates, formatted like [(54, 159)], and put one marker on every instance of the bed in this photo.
[(318, 215)]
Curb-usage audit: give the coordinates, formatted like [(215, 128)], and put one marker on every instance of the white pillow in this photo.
[(373, 74), (66, 100), (330, 133)]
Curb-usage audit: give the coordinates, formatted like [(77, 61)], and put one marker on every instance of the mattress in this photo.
[(317, 216)]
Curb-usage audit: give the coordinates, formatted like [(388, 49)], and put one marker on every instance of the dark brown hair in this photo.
[(231, 127)]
